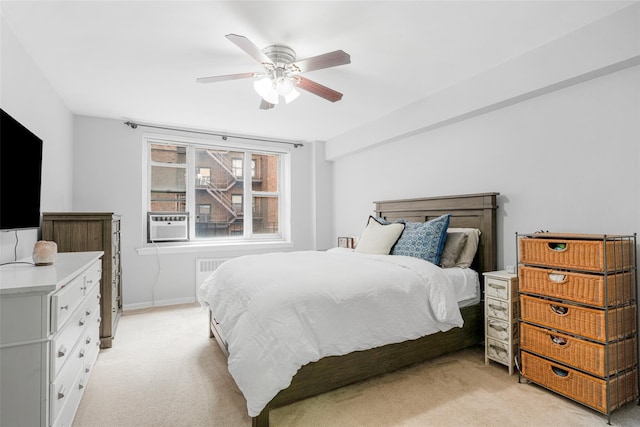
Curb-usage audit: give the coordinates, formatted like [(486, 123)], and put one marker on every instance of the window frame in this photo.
[(249, 237)]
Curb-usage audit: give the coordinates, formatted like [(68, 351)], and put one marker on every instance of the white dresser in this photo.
[(49, 338), (501, 318)]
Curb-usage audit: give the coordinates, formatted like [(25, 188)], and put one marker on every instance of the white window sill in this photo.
[(226, 247)]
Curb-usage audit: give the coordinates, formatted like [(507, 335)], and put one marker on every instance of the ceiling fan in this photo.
[(281, 74)]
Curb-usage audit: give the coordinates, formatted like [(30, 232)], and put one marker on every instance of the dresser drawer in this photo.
[(587, 322), (584, 388), (498, 288), (93, 276), (67, 411), (498, 309), (92, 347), (585, 355), (65, 301), (578, 287), (64, 342), (62, 387), (572, 253), (499, 330), (498, 350), (91, 304)]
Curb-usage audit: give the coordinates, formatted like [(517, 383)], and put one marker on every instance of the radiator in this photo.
[(204, 267)]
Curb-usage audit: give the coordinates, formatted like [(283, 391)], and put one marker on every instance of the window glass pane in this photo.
[(236, 166), (168, 189), (265, 215), (216, 187), (163, 153), (264, 172)]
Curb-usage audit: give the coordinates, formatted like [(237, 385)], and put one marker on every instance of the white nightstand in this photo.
[(501, 318)]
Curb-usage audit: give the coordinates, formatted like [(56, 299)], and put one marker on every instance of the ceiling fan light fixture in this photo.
[(291, 95), (284, 85), (265, 88)]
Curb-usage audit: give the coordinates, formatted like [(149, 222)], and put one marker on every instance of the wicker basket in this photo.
[(587, 322), (578, 287), (584, 388), (581, 354), (588, 255)]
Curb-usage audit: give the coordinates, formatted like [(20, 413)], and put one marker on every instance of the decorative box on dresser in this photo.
[(501, 318), (93, 231), (49, 338), (579, 325)]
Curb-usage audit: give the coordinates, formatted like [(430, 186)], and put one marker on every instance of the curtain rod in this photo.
[(134, 125)]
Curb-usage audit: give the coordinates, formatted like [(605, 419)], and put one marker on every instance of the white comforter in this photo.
[(281, 311)]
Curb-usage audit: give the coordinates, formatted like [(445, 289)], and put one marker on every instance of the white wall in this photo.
[(555, 131), (28, 97), (568, 161), (108, 159)]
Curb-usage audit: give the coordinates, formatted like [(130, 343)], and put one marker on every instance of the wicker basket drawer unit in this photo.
[(579, 316), (578, 252), (578, 287), (586, 389), (584, 321), (582, 354)]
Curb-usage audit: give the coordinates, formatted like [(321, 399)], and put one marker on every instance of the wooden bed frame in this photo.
[(329, 373)]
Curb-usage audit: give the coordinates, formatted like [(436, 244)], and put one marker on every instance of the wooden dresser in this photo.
[(579, 324), (93, 231), (49, 338)]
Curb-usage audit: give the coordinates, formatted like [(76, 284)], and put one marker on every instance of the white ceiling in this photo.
[(139, 60)]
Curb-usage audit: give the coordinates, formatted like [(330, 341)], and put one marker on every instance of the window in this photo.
[(236, 166), (210, 182)]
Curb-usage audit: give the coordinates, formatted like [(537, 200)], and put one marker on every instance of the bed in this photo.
[(472, 211)]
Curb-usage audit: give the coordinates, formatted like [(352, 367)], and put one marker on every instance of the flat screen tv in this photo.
[(20, 174)]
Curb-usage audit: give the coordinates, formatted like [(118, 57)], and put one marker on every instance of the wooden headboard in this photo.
[(467, 210)]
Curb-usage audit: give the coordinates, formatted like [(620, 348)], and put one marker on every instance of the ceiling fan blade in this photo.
[(317, 89), (326, 60), (264, 105), (251, 49), (225, 77)]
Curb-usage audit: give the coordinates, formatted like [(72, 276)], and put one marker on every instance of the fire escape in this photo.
[(219, 188)]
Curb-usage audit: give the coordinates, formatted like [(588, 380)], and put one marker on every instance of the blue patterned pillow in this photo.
[(424, 240)]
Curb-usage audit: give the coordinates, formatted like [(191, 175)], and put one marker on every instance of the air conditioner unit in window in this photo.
[(167, 227)]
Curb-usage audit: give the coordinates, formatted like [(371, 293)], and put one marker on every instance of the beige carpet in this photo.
[(163, 370)]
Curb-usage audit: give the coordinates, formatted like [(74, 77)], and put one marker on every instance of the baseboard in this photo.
[(159, 303)]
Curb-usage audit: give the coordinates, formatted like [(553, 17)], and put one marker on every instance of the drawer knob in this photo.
[(494, 286), (81, 354), (88, 312), (558, 340), (81, 322), (62, 351), (61, 393), (64, 307), (88, 340), (559, 310)]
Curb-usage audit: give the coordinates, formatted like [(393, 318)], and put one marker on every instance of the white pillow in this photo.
[(469, 251), (378, 238)]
